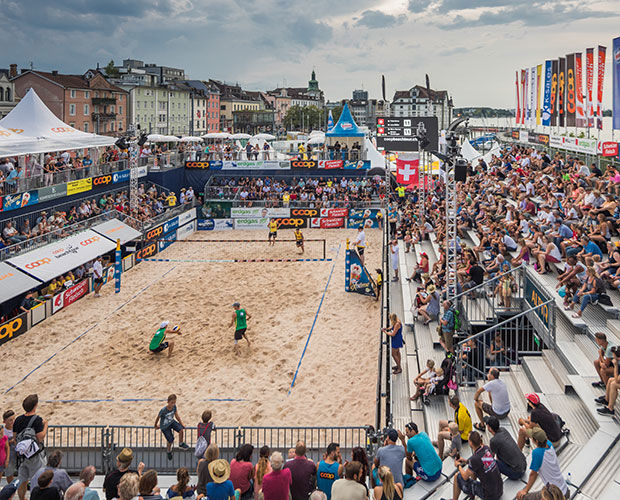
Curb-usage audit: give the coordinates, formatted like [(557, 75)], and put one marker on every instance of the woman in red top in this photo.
[(421, 268), (242, 471)]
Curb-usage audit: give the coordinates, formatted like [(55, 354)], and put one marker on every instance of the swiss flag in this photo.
[(408, 171)]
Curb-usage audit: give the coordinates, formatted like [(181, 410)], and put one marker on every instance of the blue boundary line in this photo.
[(85, 332), (234, 260), (132, 400), (314, 322)]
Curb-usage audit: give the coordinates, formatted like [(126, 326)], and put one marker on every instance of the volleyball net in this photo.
[(243, 250)]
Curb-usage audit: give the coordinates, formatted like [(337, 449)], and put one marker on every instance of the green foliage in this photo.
[(110, 70), (310, 117)]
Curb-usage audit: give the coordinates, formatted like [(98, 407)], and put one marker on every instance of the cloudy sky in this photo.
[(471, 48)]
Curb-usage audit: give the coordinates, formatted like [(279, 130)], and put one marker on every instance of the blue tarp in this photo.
[(346, 126)]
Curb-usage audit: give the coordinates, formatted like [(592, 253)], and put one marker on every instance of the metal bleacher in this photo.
[(562, 377)]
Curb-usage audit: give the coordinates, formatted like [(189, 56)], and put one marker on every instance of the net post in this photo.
[(324, 254)]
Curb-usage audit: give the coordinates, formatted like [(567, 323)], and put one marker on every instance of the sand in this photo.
[(335, 384)]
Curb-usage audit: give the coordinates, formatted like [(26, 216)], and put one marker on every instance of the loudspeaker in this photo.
[(460, 170), (121, 143), (142, 140)]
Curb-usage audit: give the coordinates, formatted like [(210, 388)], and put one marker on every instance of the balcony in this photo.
[(104, 101), (103, 116)]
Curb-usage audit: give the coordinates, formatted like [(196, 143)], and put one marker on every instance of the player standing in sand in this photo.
[(239, 321), (360, 242), (157, 342), (299, 239), (273, 232)]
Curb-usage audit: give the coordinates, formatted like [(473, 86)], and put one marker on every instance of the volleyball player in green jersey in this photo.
[(157, 343), (239, 321)]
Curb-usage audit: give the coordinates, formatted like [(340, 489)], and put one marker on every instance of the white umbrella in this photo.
[(171, 138), (316, 139), (266, 137), (241, 135), (155, 138), (316, 132), (217, 135), (191, 138)]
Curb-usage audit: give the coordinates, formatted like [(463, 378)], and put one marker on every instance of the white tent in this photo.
[(266, 137), (217, 135), (191, 138), (32, 119), (171, 138), (241, 135)]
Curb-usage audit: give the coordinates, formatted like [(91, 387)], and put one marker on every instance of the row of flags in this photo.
[(561, 92)]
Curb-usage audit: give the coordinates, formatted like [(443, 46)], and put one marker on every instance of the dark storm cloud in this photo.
[(377, 19)]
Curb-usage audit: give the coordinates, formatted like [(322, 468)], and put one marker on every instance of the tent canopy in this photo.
[(346, 126), (14, 282), (32, 120)]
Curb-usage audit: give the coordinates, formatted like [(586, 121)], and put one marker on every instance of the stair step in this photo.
[(576, 359), (537, 370), (614, 326), (557, 368), (521, 379)]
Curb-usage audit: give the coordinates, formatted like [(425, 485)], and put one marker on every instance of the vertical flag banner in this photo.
[(553, 109), (581, 116), (546, 111), (527, 96), (408, 171), (523, 94), (590, 86), (330, 120), (533, 96), (118, 266), (616, 82), (599, 94), (538, 79), (518, 106), (571, 98), (562, 93)]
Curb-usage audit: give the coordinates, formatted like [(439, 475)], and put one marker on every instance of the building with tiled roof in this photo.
[(8, 99), (420, 101)]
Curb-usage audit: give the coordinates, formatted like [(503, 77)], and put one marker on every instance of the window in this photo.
[(86, 109), (73, 94), (103, 128), (86, 94), (152, 104), (72, 124), (111, 126), (85, 126), (72, 109), (112, 108), (120, 110)]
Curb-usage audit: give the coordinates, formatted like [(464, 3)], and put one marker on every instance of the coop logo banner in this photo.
[(291, 222), (254, 212), (366, 223), (211, 164), (147, 251), (21, 200), (156, 232), (356, 277), (304, 212), (102, 180), (304, 164), (215, 224), (13, 328)]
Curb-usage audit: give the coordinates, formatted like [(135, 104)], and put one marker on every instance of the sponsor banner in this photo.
[(588, 146), (147, 251), (154, 233), (58, 302), (602, 51), (515, 135), (571, 97), (13, 328), (169, 226), (357, 278), (331, 163), (562, 92), (334, 212), (122, 176), (581, 117), (534, 297), (52, 192), (363, 213), (609, 148), (213, 165), (556, 141), (523, 95), (304, 212), (215, 224), (167, 239), (326, 222), (524, 136), (259, 212), (590, 86), (241, 165), (186, 231), (102, 180), (79, 186), (252, 223), (518, 101), (216, 209), (303, 164), (539, 139), (276, 165), (20, 200), (38, 314), (291, 222), (615, 69), (357, 165), (185, 217), (546, 106), (408, 171), (75, 292), (553, 110), (539, 70), (57, 258), (117, 230), (367, 223), (142, 171), (533, 96)]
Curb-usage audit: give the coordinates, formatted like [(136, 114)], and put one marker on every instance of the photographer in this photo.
[(613, 383)]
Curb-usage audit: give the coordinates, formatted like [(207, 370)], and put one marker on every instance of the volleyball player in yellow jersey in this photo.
[(299, 239), (273, 231)]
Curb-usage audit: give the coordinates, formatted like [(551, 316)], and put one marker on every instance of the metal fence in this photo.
[(95, 445)]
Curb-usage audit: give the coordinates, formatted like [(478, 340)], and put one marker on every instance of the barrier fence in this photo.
[(98, 445)]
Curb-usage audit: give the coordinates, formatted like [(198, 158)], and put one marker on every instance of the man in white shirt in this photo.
[(360, 241), (98, 276), (498, 394)]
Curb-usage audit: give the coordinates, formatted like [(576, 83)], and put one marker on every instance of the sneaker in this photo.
[(605, 411), (184, 446), (598, 384), (169, 455), (601, 400)]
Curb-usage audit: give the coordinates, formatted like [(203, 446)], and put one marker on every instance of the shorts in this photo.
[(98, 281), (29, 466), (273, 235), (161, 347), (448, 339), (360, 250), (551, 258), (470, 487), (417, 468), (168, 434), (487, 408), (239, 334), (299, 243)]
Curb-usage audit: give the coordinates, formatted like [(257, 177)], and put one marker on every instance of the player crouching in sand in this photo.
[(159, 343)]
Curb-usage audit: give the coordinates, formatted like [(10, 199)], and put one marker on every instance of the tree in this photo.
[(305, 118), (110, 70)]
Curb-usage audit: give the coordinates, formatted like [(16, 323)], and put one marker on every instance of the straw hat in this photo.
[(431, 289), (125, 456), (219, 470)]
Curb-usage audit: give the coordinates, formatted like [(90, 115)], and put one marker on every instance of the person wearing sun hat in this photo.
[(430, 308), (540, 418), (112, 478), (221, 488)]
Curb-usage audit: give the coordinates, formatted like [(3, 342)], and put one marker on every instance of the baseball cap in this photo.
[(392, 435), (533, 398), (9, 490), (164, 324), (236, 304), (539, 435)]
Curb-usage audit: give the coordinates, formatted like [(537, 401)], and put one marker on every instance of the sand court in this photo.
[(109, 364)]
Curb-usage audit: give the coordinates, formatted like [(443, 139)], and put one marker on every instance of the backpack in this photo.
[(457, 320), (604, 299), (561, 424), (27, 443), (201, 442)]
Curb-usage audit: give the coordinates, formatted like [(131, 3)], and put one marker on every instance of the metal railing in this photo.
[(98, 445), (517, 338)]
